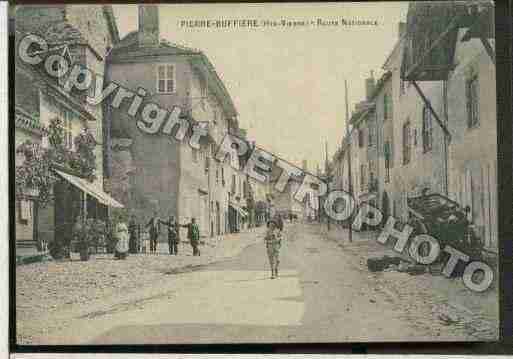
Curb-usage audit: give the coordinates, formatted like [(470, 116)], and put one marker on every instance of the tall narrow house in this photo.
[(83, 34), (157, 172)]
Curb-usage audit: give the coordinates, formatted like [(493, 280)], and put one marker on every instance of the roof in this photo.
[(41, 78), (111, 21), (59, 33), (381, 82), (346, 141), (362, 114), (429, 49), (128, 49), (27, 121)]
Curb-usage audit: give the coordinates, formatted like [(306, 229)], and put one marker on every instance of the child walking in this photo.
[(273, 244)]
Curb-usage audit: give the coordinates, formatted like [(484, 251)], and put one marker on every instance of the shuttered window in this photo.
[(472, 91), (406, 143), (166, 79), (427, 130), (387, 161)]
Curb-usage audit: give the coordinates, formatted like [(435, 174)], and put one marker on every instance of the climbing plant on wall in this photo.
[(35, 171)]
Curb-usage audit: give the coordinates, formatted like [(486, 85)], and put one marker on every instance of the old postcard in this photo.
[(255, 173)]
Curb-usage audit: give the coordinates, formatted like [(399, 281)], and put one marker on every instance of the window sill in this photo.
[(166, 93)]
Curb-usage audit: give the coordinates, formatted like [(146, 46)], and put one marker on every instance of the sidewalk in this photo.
[(445, 297), (46, 290)]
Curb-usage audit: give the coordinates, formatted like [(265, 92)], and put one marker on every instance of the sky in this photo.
[(287, 83)]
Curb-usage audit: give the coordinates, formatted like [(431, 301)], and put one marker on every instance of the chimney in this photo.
[(148, 35), (370, 84), (402, 29)]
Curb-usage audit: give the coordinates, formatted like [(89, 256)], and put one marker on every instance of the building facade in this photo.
[(429, 112), (83, 35), (162, 173)]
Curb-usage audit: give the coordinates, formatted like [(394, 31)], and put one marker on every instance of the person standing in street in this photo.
[(193, 235), (273, 245), (154, 226), (173, 237), (121, 235), (132, 230)]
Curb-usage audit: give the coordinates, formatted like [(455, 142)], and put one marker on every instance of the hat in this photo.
[(272, 221)]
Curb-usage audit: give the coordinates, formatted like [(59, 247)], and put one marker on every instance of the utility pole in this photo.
[(328, 179), (350, 189)]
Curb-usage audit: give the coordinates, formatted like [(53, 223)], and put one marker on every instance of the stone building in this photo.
[(460, 63), (163, 173), (408, 143), (83, 35), (430, 108)]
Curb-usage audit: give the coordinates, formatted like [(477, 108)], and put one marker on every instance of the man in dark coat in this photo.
[(193, 235), (133, 232), (173, 234), (154, 225)]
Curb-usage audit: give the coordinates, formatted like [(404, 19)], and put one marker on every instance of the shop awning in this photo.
[(90, 189), (239, 209)]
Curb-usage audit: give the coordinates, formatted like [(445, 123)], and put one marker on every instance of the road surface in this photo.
[(323, 294)]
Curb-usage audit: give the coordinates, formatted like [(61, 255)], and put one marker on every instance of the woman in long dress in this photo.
[(122, 239), (273, 245)]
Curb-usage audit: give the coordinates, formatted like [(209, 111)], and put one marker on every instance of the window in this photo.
[(406, 143), (24, 212), (472, 89), (371, 136), (217, 173), (207, 163), (402, 89), (360, 138), (387, 107), (222, 176), (203, 86), (194, 155), (387, 151), (67, 128), (165, 79), (234, 185), (427, 130)]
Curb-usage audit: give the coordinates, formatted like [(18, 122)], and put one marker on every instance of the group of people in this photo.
[(128, 237)]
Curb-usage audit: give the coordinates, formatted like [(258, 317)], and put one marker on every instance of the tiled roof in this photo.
[(128, 48), (63, 33), (27, 121), (130, 44)]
